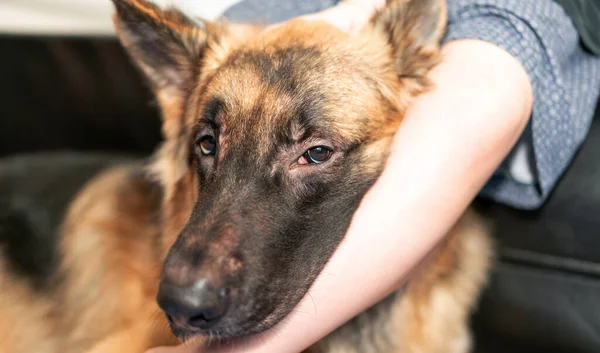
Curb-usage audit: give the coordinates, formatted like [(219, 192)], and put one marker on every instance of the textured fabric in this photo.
[(274, 11), (565, 79)]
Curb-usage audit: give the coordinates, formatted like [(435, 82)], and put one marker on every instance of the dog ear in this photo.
[(413, 29), (167, 46)]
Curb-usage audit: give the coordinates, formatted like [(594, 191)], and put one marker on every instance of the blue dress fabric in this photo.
[(564, 76)]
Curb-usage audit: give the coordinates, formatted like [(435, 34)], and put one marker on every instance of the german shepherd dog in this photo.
[(272, 136)]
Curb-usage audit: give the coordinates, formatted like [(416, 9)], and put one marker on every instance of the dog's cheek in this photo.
[(329, 214)]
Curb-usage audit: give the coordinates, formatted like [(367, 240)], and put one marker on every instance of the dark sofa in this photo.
[(84, 95), (545, 292)]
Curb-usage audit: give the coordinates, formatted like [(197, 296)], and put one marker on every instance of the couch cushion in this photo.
[(544, 295)]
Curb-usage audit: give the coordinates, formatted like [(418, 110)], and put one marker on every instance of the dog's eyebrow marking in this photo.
[(302, 134), (212, 112)]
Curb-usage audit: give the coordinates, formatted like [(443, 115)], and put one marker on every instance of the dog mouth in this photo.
[(225, 330), (219, 338), (226, 334)]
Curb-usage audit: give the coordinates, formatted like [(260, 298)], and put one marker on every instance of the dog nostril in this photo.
[(205, 318), (212, 309), (200, 305)]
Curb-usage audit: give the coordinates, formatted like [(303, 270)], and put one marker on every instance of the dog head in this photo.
[(272, 137)]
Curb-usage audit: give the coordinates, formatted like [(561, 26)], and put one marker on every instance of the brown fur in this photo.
[(118, 230), (429, 314), (113, 217)]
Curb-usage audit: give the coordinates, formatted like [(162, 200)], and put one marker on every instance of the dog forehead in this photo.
[(299, 72), (286, 60), (252, 76)]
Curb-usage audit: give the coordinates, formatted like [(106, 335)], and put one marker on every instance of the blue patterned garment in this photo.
[(565, 80)]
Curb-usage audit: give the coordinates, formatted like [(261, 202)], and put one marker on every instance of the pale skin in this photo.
[(451, 141)]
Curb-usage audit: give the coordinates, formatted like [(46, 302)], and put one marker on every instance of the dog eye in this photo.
[(316, 155), (208, 145)]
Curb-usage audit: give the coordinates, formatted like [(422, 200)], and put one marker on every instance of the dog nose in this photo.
[(200, 305)]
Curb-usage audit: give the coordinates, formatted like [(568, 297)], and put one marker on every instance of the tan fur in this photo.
[(20, 311), (98, 244), (102, 287), (434, 311), (120, 227)]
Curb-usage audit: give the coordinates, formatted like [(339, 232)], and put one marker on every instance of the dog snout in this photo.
[(199, 306), (201, 274)]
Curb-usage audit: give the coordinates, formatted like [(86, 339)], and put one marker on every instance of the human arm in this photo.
[(450, 142)]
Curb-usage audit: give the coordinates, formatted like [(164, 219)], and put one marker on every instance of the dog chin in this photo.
[(225, 333)]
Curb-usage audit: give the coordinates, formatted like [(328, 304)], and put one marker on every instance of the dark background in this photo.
[(73, 93)]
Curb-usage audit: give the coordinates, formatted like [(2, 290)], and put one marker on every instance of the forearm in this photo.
[(565, 81), (449, 144)]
